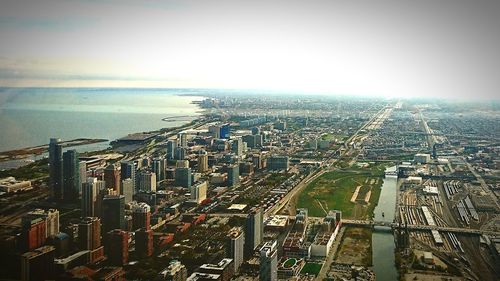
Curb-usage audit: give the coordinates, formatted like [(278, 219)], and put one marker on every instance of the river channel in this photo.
[(382, 239)]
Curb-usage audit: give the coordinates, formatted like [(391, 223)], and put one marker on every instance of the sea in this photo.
[(31, 116)]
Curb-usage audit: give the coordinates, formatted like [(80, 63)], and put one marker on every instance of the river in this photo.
[(382, 239)]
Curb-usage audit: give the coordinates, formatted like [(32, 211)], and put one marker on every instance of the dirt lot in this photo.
[(356, 247)]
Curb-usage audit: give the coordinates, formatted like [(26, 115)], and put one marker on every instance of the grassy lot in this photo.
[(311, 268), (333, 190), (356, 247)]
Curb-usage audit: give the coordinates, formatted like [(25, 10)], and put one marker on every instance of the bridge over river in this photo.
[(393, 225)]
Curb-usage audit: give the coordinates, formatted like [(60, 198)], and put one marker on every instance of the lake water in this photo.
[(383, 240), (31, 116)]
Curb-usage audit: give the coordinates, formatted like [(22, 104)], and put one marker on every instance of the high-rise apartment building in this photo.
[(116, 247), (55, 169), (268, 270), (113, 212), (254, 231), (235, 247), (71, 176)]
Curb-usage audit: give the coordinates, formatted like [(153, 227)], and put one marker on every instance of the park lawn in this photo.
[(311, 268), (333, 191)]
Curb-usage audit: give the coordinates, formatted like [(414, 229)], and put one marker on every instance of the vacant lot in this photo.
[(334, 190), (356, 247)]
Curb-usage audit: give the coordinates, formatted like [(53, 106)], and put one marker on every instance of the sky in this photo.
[(391, 48)]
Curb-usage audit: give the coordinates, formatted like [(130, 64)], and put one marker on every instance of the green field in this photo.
[(311, 268), (333, 190)]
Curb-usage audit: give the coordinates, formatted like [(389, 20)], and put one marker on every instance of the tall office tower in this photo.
[(202, 161), (278, 163), (254, 231), (112, 177), (237, 146), (180, 153), (128, 171), (199, 192), (83, 176), (89, 233), (144, 242), (113, 212), (116, 247), (182, 164), (255, 131), (147, 181), (50, 217), (225, 131), (233, 175), (56, 169), (38, 264), (183, 177), (33, 233), (90, 192), (257, 161), (250, 140), (171, 145), (268, 270), (127, 189), (182, 139), (175, 271), (71, 176), (141, 216), (158, 167), (214, 130), (235, 247)]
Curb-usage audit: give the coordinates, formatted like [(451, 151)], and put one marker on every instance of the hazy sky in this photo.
[(445, 48)]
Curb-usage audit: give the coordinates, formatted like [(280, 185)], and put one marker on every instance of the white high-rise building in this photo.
[(147, 181), (268, 270), (199, 192), (235, 247)]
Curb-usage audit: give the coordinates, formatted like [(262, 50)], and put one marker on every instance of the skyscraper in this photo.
[(89, 238), (182, 138), (180, 153), (235, 247), (254, 232), (202, 161), (158, 167), (71, 176), (55, 169), (116, 247), (141, 216), (183, 177), (33, 233), (147, 181), (237, 146), (199, 191), (50, 217), (128, 171), (90, 192), (225, 131), (127, 188), (171, 145), (113, 212), (233, 175), (112, 178), (268, 270), (144, 242)]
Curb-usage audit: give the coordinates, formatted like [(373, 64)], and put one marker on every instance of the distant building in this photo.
[(144, 242), (55, 169), (182, 139), (233, 175), (175, 271), (112, 178), (180, 153), (50, 217), (268, 270), (171, 145), (235, 247), (237, 146), (254, 232), (202, 162), (278, 163), (255, 131), (38, 264), (10, 184), (33, 233), (128, 171), (127, 189), (183, 177), (158, 167), (225, 131), (225, 268), (147, 181), (199, 191), (116, 247), (90, 192), (71, 175), (257, 161), (89, 238), (113, 212), (141, 216), (422, 158)]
